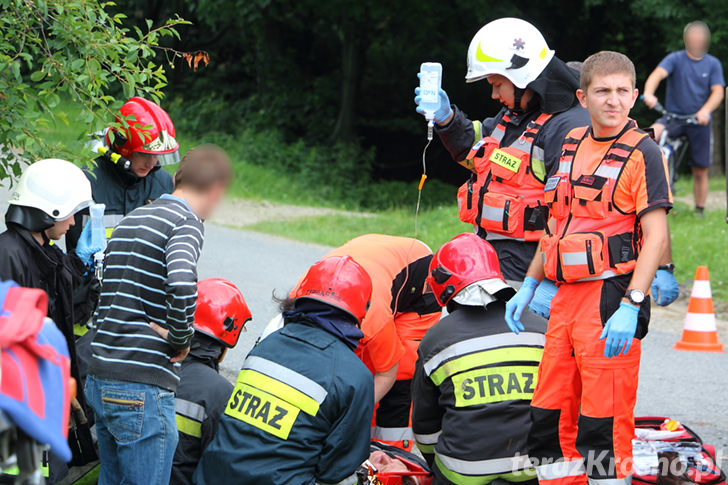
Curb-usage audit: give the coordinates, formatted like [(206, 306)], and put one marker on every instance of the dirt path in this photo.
[(244, 212), (716, 200)]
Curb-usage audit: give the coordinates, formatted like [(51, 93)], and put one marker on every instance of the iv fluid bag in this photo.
[(430, 83)]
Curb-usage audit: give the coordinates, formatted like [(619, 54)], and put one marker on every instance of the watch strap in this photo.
[(628, 295)]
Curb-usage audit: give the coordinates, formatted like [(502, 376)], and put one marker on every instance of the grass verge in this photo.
[(436, 226), (695, 241)]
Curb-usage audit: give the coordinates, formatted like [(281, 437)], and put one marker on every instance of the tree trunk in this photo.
[(351, 67)]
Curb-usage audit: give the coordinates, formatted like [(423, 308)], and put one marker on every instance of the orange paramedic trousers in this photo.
[(582, 409)]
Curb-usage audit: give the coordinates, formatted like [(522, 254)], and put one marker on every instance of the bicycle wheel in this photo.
[(671, 165)]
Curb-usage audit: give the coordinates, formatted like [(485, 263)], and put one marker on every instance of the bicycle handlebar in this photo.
[(689, 119)]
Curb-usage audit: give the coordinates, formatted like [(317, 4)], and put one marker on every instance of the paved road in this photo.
[(692, 387), (258, 265)]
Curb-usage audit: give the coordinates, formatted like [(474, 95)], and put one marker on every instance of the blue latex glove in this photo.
[(84, 249), (541, 303), (620, 329), (664, 287), (518, 303), (443, 112)]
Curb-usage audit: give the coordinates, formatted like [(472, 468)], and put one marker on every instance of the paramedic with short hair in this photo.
[(608, 232)]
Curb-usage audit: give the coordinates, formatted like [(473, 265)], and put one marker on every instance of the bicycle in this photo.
[(675, 149)]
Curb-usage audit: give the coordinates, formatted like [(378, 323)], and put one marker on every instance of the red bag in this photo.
[(417, 471), (705, 473)]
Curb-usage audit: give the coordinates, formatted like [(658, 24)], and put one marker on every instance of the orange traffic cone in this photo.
[(700, 333)]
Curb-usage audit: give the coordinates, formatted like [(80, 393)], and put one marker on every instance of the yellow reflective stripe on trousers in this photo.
[(262, 410), (15, 471), (476, 344), (495, 384), (483, 358), (280, 390), (515, 469), (515, 477), (188, 426), (287, 376), (426, 449)]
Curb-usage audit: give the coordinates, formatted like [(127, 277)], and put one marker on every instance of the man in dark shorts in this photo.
[(695, 85)]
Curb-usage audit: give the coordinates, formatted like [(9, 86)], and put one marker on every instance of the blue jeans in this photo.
[(136, 431)]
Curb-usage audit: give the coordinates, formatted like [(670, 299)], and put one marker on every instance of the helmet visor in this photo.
[(83, 205), (169, 158)]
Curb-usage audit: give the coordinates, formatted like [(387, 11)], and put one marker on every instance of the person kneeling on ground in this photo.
[(473, 374), (202, 393), (302, 404)]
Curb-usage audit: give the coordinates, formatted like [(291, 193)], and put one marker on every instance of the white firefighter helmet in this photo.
[(510, 47), (56, 187)]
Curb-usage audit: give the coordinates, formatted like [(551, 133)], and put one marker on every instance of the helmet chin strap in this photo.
[(517, 98)]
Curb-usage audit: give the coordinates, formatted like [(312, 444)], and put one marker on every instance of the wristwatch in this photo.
[(635, 297), (667, 267)]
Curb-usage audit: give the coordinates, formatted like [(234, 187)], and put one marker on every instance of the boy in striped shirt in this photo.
[(145, 321)]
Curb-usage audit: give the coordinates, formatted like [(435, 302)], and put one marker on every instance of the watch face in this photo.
[(636, 296)]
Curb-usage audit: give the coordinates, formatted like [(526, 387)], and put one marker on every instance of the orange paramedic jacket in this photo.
[(390, 337)]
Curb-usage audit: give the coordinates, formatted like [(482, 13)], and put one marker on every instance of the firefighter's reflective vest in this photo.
[(593, 238), (504, 195)]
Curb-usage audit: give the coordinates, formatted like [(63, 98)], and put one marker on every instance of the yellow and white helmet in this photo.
[(510, 47), (56, 187)]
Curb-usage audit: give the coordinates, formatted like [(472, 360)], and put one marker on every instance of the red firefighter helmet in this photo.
[(221, 310), (150, 130), (462, 261), (338, 281)]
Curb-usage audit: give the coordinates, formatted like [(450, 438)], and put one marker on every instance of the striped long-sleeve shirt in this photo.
[(150, 275)]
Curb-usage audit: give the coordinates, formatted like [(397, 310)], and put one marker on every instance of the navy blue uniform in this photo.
[(199, 402), (299, 414), (473, 370), (121, 191)]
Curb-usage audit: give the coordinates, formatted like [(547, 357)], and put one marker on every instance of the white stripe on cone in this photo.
[(701, 289), (700, 322)]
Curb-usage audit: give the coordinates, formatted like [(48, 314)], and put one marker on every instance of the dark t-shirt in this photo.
[(689, 81)]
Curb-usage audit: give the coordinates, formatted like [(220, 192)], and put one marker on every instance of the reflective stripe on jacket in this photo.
[(299, 413), (473, 370), (504, 195), (593, 238), (199, 402)]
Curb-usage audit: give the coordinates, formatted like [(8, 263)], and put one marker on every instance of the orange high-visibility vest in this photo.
[(593, 238), (504, 196)]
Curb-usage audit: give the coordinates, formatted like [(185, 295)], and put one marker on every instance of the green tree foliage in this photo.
[(328, 71), (335, 70), (71, 48)]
